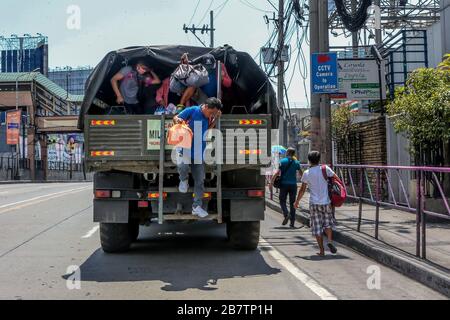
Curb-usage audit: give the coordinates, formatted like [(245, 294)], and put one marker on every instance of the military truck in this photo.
[(135, 178)]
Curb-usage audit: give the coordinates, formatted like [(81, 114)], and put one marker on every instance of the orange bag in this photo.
[(180, 135)]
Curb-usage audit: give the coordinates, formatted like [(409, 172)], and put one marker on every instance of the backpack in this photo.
[(336, 189)]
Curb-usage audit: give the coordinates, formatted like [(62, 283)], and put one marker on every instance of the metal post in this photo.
[(161, 170), (418, 211), (423, 216), (218, 163), (211, 14), (361, 195), (377, 213)]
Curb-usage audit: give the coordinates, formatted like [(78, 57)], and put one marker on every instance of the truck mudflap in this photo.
[(247, 210), (107, 211)]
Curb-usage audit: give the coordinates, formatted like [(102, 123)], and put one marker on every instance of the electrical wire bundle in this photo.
[(353, 21)]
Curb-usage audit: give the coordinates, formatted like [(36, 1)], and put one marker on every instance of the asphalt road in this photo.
[(47, 228)]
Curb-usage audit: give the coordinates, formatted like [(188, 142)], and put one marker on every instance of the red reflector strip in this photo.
[(142, 204), (256, 193), (102, 194), (97, 123), (102, 153), (155, 195), (248, 152), (251, 122)]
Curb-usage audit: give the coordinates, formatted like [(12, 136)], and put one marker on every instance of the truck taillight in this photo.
[(251, 122), (142, 204), (256, 193), (102, 153), (98, 123), (155, 196), (99, 194)]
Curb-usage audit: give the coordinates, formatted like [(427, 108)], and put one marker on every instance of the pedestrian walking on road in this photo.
[(320, 209), (287, 172)]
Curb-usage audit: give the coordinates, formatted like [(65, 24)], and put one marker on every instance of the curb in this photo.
[(408, 265), (40, 181)]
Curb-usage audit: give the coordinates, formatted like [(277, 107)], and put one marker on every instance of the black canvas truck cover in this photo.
[(251, 87)]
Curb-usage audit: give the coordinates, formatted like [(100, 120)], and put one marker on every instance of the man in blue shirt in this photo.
[(288, 172), (200, 119)]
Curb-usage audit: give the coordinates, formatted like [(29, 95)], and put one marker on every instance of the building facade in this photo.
[(72, 80)]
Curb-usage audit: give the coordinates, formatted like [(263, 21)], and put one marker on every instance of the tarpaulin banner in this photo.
[(13, 127)]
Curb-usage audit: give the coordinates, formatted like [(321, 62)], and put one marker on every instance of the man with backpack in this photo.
[(316, 178), (287, 183)]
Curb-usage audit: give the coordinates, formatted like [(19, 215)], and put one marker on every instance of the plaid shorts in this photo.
[(321, 218)]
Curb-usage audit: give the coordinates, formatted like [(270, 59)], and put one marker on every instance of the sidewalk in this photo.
[(396, 246)]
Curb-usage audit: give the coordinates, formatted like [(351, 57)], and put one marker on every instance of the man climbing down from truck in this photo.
[(319, 203), (126, 84), (200, 119)]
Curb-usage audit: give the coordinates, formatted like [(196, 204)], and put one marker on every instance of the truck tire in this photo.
[(115, 237), (244, 235), (133, 226)]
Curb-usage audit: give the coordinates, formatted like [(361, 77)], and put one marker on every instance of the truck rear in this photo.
[(136, 179)]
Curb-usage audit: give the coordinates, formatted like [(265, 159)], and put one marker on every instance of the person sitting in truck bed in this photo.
[(126, 85), (209, 90), (206, 117)]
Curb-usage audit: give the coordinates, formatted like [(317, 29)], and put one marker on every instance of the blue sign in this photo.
[(324, 73)]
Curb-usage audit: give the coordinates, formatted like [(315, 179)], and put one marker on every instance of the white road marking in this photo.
[(91, 232), (28, 202), (312, 284)]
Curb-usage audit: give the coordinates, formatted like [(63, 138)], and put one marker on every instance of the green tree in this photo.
[(421, 110), (342, 120)]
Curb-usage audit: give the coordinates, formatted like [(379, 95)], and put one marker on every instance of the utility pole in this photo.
[(355, 34), (378, 37), (204, 29), (280, 63), (320, 104)]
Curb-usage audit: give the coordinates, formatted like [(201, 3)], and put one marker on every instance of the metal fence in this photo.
[(374, 185)]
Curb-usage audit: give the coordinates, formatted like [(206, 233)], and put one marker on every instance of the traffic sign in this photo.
[(324, 69)]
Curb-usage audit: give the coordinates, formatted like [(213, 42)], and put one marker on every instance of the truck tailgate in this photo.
[(118, 138)]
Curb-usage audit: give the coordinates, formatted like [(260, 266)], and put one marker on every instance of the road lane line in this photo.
[(91, 232), (312, 284), (35, 200)]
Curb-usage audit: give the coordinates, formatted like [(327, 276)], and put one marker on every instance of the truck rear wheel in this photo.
[(244, 235), (115, 237)]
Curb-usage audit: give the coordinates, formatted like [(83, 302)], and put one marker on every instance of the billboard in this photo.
[(13, 127), (359, 80)]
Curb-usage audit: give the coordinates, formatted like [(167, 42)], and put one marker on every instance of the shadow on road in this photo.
[(190, 256)]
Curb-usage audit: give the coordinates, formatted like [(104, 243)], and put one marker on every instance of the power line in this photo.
[(206, 12), (248, 4), (195, 11)]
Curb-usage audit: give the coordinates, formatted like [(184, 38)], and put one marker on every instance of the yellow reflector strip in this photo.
[(249, 152), (102, 153), (155, 195), (95, 123), (251, 122), (206, 195)]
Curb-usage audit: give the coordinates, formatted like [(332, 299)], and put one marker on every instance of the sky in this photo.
[(107, 25)]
